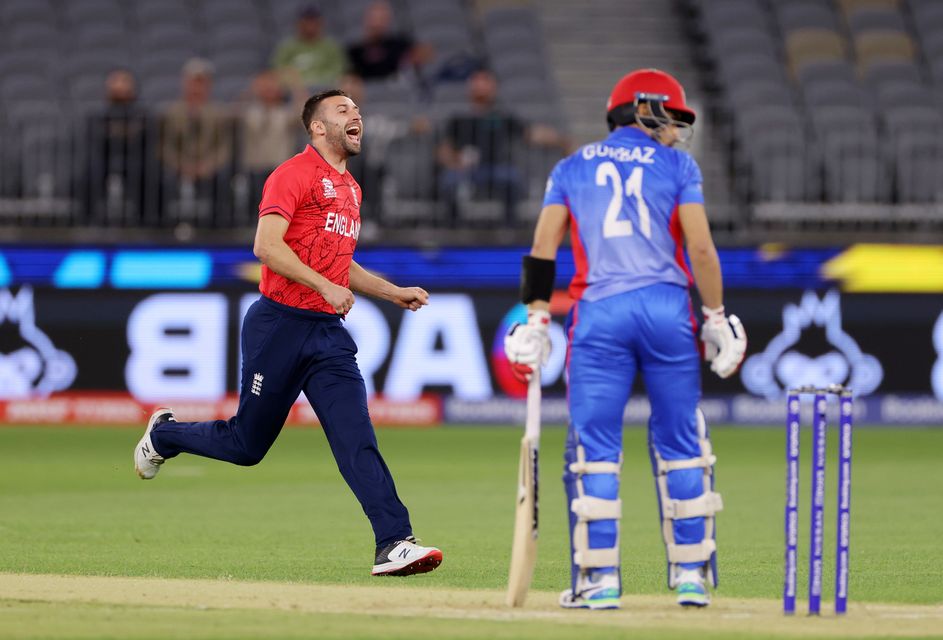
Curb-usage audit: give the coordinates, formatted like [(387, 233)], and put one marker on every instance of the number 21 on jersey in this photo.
[(613, 227)]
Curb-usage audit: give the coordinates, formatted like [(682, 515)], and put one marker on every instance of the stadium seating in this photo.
[(821, 101), (55, 54), (832, 101)]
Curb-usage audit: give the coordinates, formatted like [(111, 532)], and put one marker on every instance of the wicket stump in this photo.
[(817, 514)]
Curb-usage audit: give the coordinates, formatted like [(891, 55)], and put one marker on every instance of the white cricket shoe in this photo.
[(405, 558), (595, 590), (146, 460), (692, 590)]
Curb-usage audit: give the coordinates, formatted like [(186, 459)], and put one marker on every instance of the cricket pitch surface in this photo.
[(388, 604)]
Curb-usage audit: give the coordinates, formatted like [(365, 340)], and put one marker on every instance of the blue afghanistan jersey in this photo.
[(623, 195)]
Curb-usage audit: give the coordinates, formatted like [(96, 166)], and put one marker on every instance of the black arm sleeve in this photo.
[(537, 277)]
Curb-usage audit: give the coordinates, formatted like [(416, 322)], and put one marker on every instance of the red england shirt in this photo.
[(322, 207)]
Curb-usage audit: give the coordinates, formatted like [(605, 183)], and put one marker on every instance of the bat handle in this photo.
[(532, 424)]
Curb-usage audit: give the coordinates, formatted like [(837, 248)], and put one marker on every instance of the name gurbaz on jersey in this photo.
[(342, 225), (643, 155)]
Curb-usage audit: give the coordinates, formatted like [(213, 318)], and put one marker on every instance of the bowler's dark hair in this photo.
[(312, 104)]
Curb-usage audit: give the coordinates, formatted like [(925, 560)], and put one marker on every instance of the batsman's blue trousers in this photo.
[(650, 330), (285, 351)]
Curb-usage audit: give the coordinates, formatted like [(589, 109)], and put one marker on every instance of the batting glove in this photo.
[(725, 341), (528, 345)]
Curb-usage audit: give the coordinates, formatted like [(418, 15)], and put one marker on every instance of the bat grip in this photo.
[(532, 424)]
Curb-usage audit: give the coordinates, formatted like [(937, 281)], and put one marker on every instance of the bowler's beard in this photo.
[(337, 138)]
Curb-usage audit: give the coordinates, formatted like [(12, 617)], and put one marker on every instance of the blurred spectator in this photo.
[(316, 58), (117, 139), (383, 53), (270, 128), (480, 152), (196, 142), (458, 66)]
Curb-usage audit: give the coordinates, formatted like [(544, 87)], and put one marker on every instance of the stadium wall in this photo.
[(95, 335)]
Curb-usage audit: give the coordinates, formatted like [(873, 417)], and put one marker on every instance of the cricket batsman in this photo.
[(633, 204), (293, 338)]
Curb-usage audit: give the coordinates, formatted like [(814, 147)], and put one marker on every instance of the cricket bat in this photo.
[(524, 548)]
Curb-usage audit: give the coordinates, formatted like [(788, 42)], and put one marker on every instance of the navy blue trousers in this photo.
[(284, 351)]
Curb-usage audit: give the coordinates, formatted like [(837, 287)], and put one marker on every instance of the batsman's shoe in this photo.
[(147, 461), (406, 557), (692, 591), (595, 591)]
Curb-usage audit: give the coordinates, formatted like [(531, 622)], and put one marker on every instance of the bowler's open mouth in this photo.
[(353, 132)]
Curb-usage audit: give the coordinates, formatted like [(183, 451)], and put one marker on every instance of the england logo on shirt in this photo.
[(329, 191)]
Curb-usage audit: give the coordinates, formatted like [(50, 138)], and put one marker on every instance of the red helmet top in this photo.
[(646, 85)]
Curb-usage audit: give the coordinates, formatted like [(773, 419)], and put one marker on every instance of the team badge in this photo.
[(329, 191)]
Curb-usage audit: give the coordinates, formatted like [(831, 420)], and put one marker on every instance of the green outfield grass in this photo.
[(71, 504)]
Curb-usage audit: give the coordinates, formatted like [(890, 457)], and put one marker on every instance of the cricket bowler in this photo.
[(294, 340)]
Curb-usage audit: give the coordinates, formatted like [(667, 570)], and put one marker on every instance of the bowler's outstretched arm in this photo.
[(370, 284)]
